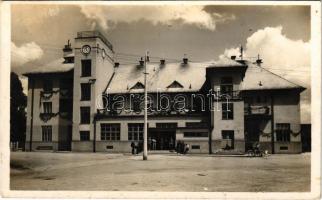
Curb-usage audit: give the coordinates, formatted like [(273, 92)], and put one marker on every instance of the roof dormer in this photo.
[(175, 84), (138, 85)]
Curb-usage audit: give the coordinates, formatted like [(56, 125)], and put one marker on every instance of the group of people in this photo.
[(182, 148), (136, 147)]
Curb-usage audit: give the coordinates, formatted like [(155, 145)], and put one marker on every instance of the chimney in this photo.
[(162, 62), (69, 58), (241, 52), (67, 47), (185, 61), (259, 61), (141, 63), (233, 57)]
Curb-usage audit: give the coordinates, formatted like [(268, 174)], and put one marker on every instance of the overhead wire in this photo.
[(130, 58)]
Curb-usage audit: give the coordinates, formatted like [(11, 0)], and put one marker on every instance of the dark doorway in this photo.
[(161, 140), (252, 131), (65, 138), (306, 137)]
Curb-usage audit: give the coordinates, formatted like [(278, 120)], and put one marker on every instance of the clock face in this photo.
[(86, 49), (103, 53)]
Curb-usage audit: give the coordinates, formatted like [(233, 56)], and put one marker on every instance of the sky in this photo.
[(279, 34)]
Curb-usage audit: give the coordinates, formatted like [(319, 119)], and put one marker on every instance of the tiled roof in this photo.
[(259, 78), (190, 76), (55, 66)]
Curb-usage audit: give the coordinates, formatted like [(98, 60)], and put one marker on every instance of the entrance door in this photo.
[(65, 138), (161, 140), (252, 131)]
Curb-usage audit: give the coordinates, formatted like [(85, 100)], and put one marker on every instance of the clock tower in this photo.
[(94, 61)]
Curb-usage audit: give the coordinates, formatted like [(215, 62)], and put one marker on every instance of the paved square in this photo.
[(170, 172)]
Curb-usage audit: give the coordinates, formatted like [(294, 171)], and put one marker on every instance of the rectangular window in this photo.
[(85, 115), (135, 131), (195, 134), (283, 132), (46, 133), (166, 125), (47, 107), (228, 137), (48, 85), (226, 85), (110, 132), (85, 91), (86, 68), (84, 135), (196, 124), (227, 111), (283, 148), (195, 146)]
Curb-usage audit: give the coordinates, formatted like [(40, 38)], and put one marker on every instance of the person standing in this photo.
[(182, 146), (149, 143), (171, 144), (136, 147), (154, 144), (133, 147), (186, 149)]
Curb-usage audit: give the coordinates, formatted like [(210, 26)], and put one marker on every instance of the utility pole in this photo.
[(145, 139), (241, 52)]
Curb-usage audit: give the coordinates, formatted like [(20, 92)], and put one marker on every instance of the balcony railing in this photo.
[(257, 110), (47, 116), (153, 112), (64, 93)]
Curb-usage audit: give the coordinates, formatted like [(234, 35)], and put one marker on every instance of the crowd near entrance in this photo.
[(161, 140)]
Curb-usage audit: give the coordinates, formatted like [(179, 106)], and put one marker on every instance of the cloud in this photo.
[(24, 83), (25, 53), (283, 56), (191, 15), (290, 58)]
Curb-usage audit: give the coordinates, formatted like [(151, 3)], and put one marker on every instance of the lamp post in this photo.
[(145, 141)]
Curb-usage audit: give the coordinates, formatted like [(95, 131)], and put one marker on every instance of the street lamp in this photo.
[(145, 141)]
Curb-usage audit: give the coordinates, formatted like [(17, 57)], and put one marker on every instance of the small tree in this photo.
[(18, 102)]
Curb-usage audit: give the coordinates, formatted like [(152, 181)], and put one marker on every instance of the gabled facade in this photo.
[(222, 106)]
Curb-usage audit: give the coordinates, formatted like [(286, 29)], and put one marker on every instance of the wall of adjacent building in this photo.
[(37, 109), (287, 110)]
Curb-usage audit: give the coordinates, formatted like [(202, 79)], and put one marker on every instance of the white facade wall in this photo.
[(102, 70)]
